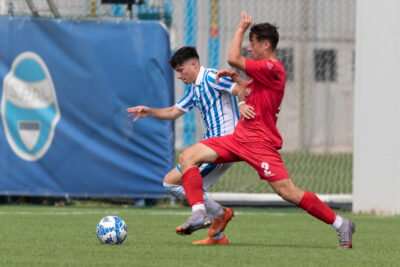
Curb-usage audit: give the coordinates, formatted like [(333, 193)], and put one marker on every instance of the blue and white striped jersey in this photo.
[(216, 103)]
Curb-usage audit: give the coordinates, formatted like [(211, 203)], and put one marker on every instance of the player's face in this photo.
[(187, 72), (258, 49)]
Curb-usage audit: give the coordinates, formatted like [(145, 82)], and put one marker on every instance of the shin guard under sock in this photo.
[(192, 182), (314, 206)]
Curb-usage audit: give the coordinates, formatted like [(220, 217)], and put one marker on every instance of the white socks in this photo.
[(198, 207), (337, 223), (213, 208)]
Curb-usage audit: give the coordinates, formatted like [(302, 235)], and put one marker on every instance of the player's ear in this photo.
[(267, 44), (195, 64)]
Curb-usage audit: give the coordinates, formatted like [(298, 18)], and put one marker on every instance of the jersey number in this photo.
[(267, 172)]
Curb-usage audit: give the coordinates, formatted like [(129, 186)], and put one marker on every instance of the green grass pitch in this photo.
[(66, 236)]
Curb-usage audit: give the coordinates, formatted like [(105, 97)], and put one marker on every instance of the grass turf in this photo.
[(65, 236)]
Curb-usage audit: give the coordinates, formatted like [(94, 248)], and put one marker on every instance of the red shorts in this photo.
[(263, 157)]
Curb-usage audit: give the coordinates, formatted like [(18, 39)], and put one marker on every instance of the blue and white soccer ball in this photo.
[(111, 230)]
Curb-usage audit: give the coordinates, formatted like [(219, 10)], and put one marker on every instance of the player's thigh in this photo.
[(212, 172), (173, 177), (195, 155), (225, 146)]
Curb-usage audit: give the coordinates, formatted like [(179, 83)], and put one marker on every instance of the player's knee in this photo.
[(289, 194), (285, 195), (284, 192), (187, 158), (280, 192), (287, 190)]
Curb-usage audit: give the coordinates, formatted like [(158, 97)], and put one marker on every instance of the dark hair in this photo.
[(183, 54), (265, 32)]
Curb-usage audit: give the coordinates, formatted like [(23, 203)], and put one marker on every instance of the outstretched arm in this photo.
[(235, 57), (170, 113), (246, 111)]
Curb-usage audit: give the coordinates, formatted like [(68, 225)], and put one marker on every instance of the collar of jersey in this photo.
[(199, 78)]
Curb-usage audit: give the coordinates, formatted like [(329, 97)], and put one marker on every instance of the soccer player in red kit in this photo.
[(255, 140)]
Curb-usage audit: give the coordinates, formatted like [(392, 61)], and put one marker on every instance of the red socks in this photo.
[(314, 206), (192, 183)]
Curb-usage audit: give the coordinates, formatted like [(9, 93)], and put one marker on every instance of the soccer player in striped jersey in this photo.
[(257, 140), (220, 113)]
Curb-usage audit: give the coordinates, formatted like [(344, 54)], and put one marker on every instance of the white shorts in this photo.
[(210, 172)]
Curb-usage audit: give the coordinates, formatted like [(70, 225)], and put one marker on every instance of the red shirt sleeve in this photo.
[(263, 71)]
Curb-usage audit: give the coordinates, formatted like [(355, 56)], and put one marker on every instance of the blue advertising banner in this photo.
[(65, 87)]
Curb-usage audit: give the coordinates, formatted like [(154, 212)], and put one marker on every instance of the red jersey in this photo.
[(264, 92)]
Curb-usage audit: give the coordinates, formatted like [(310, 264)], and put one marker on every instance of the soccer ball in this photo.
[(111, 230)]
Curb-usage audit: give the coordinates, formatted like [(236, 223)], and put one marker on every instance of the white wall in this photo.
[(377, 108), (3, 7)]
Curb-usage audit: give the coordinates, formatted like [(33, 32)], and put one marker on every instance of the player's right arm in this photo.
[(235, 57), (170, 113)]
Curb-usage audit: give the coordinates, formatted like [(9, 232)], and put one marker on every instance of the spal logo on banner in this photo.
[(29, 107)]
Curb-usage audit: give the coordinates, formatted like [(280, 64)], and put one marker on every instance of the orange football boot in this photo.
[(219, 224), (209, 241)]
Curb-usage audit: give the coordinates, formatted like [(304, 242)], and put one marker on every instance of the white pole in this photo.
[(377, 108)]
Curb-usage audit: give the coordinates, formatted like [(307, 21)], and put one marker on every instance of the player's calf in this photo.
[(176, 191)]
